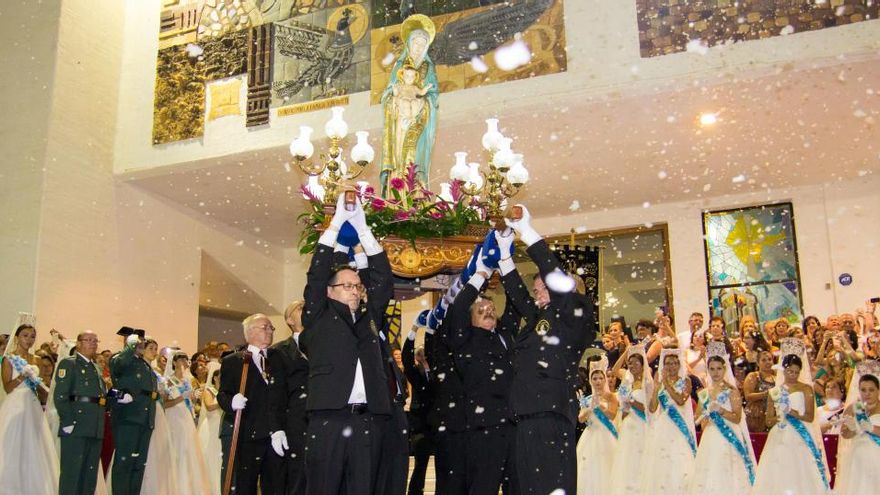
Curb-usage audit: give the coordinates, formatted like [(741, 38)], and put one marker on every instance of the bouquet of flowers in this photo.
[(410, 212)]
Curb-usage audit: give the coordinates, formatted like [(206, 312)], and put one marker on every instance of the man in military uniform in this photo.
[(133, 415), (558, 327), (80, 397)]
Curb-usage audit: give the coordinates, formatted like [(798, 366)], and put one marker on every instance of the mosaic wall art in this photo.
[(667, 26), (320, 55), (303, 55), (751, 260), (464, 47)]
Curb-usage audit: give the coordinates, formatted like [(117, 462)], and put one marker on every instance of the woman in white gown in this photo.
[(28, 462), (793, 460), (192, 472), (632, 398), (597, 444), (209, 427), (858, 469), (725, 462), (671, 446)]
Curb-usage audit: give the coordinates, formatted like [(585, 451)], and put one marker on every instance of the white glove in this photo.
[(524, 228), (341, 215), (358, 218), (67, 429), (481, 267), (126, 398), (279, 442), (238, 402), (505, 242)]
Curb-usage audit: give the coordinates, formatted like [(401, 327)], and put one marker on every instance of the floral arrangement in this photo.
[(410, 211)]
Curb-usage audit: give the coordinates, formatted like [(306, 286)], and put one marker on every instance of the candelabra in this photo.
[(502, 179), (329, 174)]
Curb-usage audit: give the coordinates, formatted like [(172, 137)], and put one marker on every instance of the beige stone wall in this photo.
[(27, 49), (830, 225)]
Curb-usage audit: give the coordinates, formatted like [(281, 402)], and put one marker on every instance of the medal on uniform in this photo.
[(542, 327), (62, 372)]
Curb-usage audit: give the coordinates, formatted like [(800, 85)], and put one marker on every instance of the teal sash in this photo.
[(603, 418), (801, 430), (736, 442), (677, 419)]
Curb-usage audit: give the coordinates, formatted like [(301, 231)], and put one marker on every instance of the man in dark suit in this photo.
[(349, 402), (134, 415), (558, 327), (482, 350), (422, 380), (447, 417), (81, 398), (296, 373), (261, 437)]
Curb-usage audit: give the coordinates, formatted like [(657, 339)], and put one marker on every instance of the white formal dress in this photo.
[(669, 460), (787, 465), (595, 454), (719, 468), (209, 440), (859, 471), (192, 472), (28, 462), (627, 463)]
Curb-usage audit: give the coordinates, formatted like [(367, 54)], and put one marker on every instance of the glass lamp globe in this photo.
[(474, 178), (503, 158), (362, 152), (301, 148), (460, 170), (492, 138), (336, 127)]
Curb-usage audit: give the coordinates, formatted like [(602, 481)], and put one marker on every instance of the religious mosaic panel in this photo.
[(668, 26), (179, 106), (751, 260), (391, 12), (465, 48), (321, 55)]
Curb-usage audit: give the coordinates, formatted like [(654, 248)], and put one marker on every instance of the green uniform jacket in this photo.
[(76, 378), (132, 375)]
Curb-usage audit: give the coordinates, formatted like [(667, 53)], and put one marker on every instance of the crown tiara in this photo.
[(868, 367), (25, 319), (599, 364), (716, 348), (635, 349), (792, 345)]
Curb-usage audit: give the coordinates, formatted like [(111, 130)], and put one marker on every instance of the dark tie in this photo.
[(263, 365)]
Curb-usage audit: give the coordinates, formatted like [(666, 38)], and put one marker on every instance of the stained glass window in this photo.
[(751, 260)]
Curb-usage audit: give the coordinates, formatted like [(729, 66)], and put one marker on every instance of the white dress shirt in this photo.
[(359, 389), (258, 356)]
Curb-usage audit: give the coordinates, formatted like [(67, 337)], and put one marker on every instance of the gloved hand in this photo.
[(238, 402), (358, 218), (505, 242), (481, 267), (523, 227), (125, 399), (68, 429), (279, 442), (30, 371), (341, 215)]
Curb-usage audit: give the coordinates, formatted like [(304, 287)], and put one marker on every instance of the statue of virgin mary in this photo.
[(409, 105)]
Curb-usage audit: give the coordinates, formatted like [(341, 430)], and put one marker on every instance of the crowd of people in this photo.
[(527, 400)]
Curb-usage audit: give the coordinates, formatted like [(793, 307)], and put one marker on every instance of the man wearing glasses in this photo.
[(349, 400), (259, 455)]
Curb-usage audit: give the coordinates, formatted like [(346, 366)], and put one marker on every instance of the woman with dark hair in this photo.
[(192, 471), (756, 389), (28, 462), (635, 388), (725, 462), (597, 445), (810, 325), (860, 456), (793, 460), (671, 445), (830, 411)]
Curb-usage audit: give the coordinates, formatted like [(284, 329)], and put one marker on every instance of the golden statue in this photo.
[(409, 103)]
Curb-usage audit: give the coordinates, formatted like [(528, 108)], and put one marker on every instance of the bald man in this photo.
[(81, 398)]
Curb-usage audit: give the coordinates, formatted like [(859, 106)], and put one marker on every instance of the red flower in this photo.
[(377, 204), (369, 191), (436, 215), (402, 215), (397, 183)]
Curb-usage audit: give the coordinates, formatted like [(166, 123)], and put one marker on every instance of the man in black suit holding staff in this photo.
[(558, 327), (349, 402), (261, 437)]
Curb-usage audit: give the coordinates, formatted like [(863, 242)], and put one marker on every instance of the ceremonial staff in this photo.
[(227, 483)]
